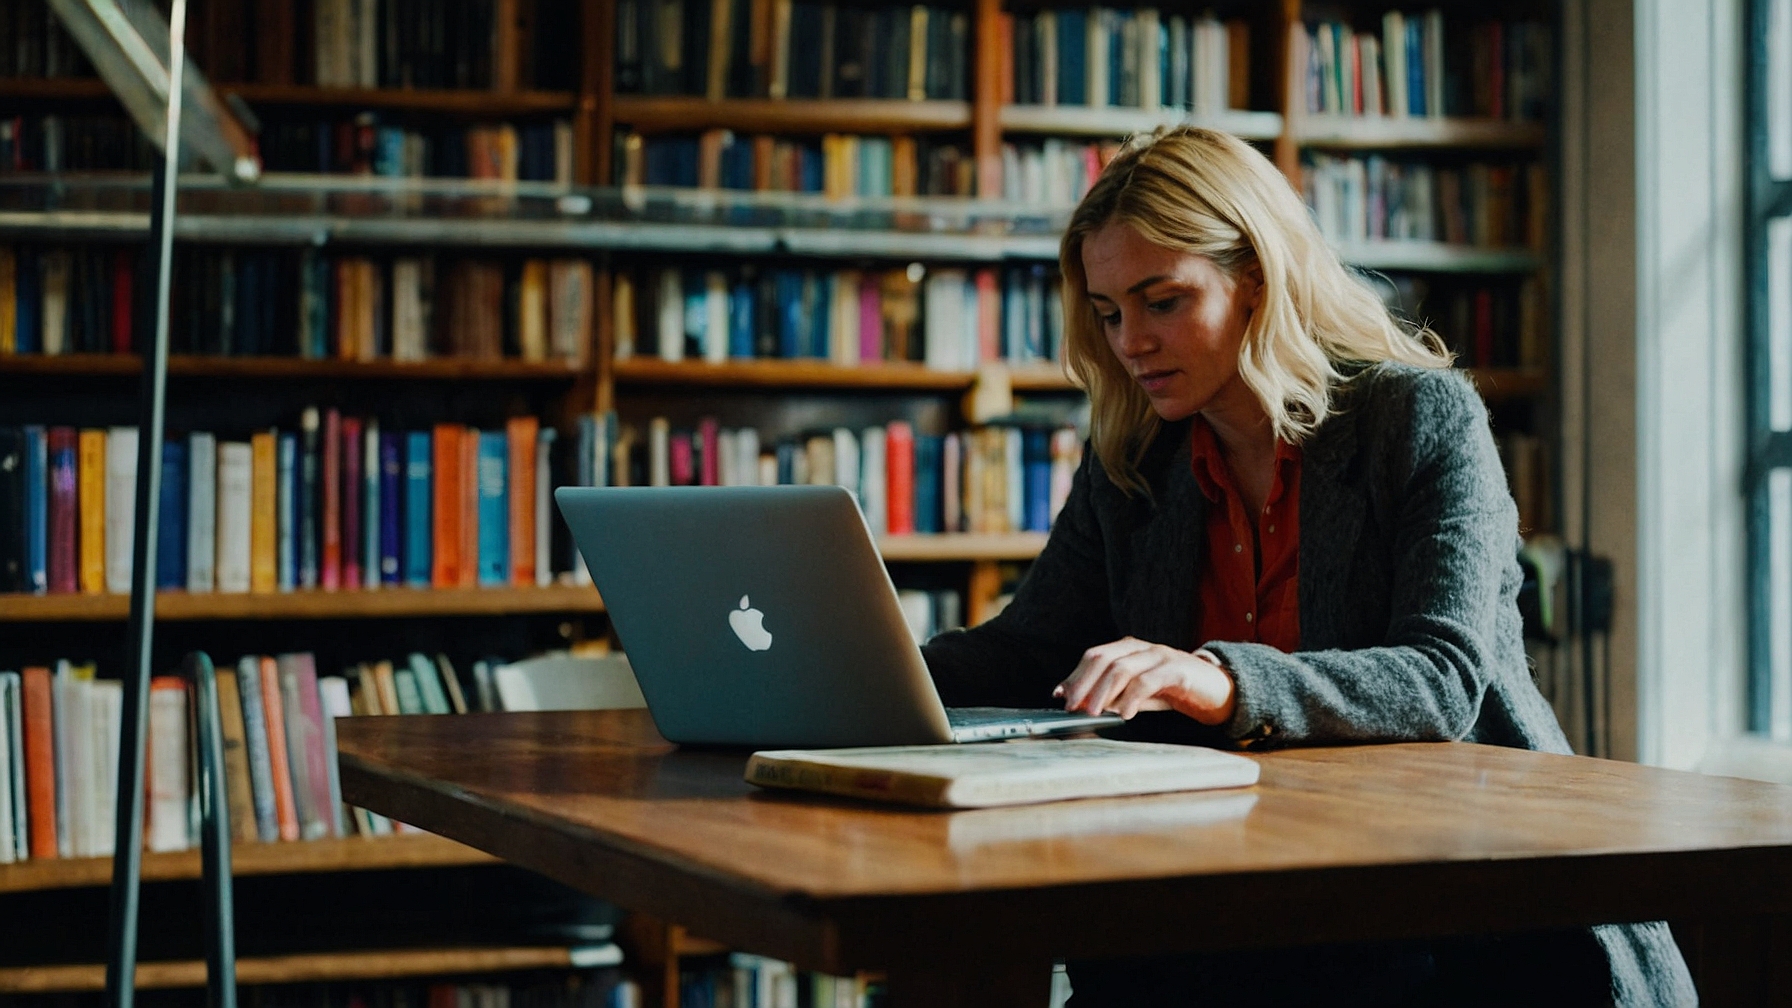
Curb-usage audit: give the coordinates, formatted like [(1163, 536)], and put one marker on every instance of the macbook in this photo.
[(763, 616)]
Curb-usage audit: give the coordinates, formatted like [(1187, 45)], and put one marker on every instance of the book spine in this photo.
[(544, 498), (11, 727), (239, 789), (171, 518), (287, 530), (350, 495), (64, 560), (299, 739), (37, 713), (326, 805), (202, 512), (286, 809), (92, 512), (494, 509), (419, 523), (264, 517), (520, 433), (392, 487), (120, 506), (446, 512), (330, 465), (469, 507), (36, 517), (236, 475), (308, 498), (255, 736), (333, 701), (166, 828), (899, 459), (881, 785), (372, 509)]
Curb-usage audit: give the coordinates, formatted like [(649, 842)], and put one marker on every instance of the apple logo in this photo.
[(748, 626)]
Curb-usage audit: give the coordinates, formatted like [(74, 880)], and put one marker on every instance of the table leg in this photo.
[(969, 983)]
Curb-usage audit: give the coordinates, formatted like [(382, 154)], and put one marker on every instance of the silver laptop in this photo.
[(762, 616)]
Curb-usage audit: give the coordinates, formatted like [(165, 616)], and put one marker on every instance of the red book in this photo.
[(65, 514), (469, 507), (286, 811), (521, 433), (40, 760), (445, 554), (1483, 328), (871, 319), (330, 565), (680, 451), (712, 446), (899, 469), (124, 273), (989, 317), (351, 502), (317, 765)]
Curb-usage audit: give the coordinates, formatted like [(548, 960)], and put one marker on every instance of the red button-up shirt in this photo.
[(1249, 589)]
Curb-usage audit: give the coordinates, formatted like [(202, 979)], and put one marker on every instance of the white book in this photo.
[(1369, 55), (10, 729), (168, 776), (1151, 86), (917, 612), (370, 506), (105, 710), (970, 325), (746, 449), (944, 318), (1046, 28), (1095, 56), (68, 718), (659, 452), (570, 301), (622, 315), (768, 470), (53, 308), (121, 505), (873, 499), (544, 504), (846, 460), (1393, 48), (561, 681), (235, 474), (1434, 63), (727, 458), (1002, 773), (410, 309), (332, 695), (202, 498), (715, 323), (671, 318)]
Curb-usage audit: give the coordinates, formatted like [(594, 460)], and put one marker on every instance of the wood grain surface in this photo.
[(1337, 843)]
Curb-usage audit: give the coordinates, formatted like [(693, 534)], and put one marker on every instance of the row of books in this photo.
[(839, 165), (791, 49), (1140, 58), (984, 479), (751, 981), (57, 143), (1053, 171), (949, 318), (33, 43), (404, 43), (338, 504), (1527, 462), (537, 152), (249, 301), (1358, 199), (1424, 65)]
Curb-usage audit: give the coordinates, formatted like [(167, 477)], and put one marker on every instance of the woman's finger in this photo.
[(1122, 671), (1075, 686), (1145, 692)]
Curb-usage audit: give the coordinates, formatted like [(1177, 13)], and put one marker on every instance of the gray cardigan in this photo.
[(1408, 586)]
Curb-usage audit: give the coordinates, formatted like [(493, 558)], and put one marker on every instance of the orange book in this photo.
[(263, 514), (446, 514), (286, 811), (469, 508), (903, 169), (899, 479), (764, 147), (342, 299), (91, 494), (40, 760), (1005, 59), (989, 317), (521, 432)]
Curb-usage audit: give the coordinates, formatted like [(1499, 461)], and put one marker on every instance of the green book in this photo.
[(409, 700), (429, 686)]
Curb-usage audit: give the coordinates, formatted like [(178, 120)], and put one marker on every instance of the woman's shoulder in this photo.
[(1393, 390)]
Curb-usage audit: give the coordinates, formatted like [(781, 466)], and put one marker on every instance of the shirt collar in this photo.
[(1209, 463)]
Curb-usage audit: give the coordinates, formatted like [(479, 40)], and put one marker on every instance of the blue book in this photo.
[(928, 511), (494, 509), (309, 492), (791, 330), (696, 312), (37, 507), (1073, 67), (1036, 466), (741, 312), (818, 296), (786, 463), (584, 463), (417, 518), (1415, 66), (1116, 53), (286, 512), (810, 166), (255, 734), (27, 303), (391, 485), (1014, 313), (1163, 64), (171, 518)]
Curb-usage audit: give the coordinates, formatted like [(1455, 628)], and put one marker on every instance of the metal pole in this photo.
[(214, 839), (127, 857)]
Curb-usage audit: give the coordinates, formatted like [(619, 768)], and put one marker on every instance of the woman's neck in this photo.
[(1247, 440)]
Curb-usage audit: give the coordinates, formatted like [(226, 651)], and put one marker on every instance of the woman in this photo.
[(1292, 528)]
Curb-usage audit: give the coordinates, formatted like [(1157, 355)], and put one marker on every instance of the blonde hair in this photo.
[(1209, 193)]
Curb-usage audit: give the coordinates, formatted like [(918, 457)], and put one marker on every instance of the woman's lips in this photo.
[(1154, 382)]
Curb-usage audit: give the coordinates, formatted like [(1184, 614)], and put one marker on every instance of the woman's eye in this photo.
[(1167, 304), (1111, 319)]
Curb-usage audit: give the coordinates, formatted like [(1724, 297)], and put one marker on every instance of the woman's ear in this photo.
[(1254, 276)]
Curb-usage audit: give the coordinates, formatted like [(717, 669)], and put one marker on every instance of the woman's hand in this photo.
[(1131, 675)]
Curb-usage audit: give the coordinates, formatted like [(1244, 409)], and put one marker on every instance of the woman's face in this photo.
[(1174, 320)]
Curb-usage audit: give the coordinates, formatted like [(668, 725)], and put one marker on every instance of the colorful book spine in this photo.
[(255, 735), (286, 810), (287, 532), (308, 498), (351, 489), (419, 523), (40, 760), (446, 471), (264, 512), (171, 519), (92, 495), (64, 560), (329, 572), (238, 784), (371, 511), (494, 509), (899, 458), (392, 486), (36, 518), (520, 434), (166, 825), (202, 512)]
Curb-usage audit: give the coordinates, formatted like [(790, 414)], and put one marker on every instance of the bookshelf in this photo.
[(616, 229), (290, 969)]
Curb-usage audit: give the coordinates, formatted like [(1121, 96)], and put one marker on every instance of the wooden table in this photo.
[(1335, 844)]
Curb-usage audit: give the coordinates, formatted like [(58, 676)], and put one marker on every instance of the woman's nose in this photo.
[(1133, 340)]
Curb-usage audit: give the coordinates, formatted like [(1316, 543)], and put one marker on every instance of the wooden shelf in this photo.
[(1437, 257), (1503, 384), (1113, 121), (360, 604), (417, 850), (358, 965), (199, 365), (465, 101), (1387, 133), (772, 374), (952, 546), (765, 115)]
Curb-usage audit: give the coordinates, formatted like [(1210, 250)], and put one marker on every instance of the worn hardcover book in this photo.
[(266, 820), (1001, 773), (202, 511), (286, 812), (238, 788), (235, 502), (13, 845), (166, 828), (120, 505)]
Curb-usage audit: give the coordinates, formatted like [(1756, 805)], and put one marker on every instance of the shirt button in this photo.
[(1247, 617), (1272, 530), (1238, 547)]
